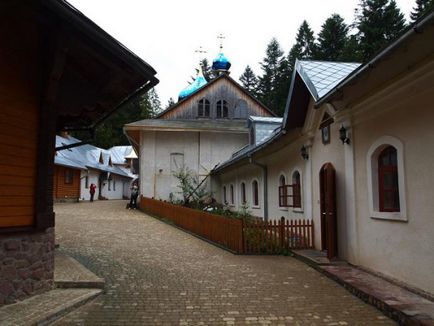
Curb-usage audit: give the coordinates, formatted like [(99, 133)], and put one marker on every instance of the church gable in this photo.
[(222, 98)]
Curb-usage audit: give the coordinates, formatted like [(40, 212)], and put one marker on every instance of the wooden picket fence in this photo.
[(253, 236)]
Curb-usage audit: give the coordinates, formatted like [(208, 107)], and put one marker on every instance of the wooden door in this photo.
[(329, 239)]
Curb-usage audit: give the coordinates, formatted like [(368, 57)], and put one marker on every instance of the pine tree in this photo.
[(422, 7), (332, 39), (304, 47), (378, 22), (249, 80), (268, 82)]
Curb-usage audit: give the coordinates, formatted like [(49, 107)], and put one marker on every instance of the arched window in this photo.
[(225, 198), (203, 108), (386, 182), (243, 193), (222, 109), (388, 188), (232, 195), (255, 193), (283, 195), (296, 189)]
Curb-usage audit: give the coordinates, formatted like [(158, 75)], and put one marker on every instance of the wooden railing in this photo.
[(243, 237)]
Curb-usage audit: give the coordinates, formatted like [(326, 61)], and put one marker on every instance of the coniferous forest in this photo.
[(376, 24)]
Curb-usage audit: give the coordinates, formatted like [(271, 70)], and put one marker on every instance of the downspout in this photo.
[(265, 186)]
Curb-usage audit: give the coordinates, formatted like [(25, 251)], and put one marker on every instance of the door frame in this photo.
[(328, 217)]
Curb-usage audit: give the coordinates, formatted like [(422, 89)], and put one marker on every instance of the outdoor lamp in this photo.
[(343, 135), (303, 152)]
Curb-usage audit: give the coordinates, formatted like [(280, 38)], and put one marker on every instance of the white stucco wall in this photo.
[(201, 152), (93, 178), (115, 192), (403, 250)]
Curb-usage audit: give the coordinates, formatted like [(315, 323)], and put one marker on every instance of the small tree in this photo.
[(192, 190)]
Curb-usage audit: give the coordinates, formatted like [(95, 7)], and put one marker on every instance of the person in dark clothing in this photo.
[(134, 195), (92, 189)]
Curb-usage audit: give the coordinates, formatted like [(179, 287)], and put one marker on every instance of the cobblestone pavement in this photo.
[(157, 274)]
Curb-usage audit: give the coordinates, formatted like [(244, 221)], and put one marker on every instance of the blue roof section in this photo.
[(86, 156), (198, 83), (322, 76)]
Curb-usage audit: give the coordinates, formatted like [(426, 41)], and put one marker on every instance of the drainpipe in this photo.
[(265, 186)]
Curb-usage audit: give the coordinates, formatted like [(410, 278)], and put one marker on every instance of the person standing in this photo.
[(92, 191), (134, 195)]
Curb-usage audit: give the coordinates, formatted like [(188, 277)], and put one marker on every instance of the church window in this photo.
[(296, 189), (290, 194), (283, 199), (222, 109), (203, 108)]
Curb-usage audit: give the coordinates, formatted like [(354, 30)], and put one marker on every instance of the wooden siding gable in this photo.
[(240, 103)]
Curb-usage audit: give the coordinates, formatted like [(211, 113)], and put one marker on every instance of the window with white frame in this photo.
[(386, 188), (255, 193), (232, 195), (243, 193)]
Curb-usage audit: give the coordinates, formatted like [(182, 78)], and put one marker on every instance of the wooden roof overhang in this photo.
[(94, 74)]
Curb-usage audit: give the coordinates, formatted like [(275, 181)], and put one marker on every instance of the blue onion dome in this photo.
[(221, 62), (198, 82)]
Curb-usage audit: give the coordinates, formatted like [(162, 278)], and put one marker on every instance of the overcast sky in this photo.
[(166, 33)]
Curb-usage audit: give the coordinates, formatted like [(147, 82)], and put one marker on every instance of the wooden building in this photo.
[(58, 70), (202, 129)]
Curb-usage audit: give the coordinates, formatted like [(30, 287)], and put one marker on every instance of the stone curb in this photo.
[(63, 310), (399, 315)]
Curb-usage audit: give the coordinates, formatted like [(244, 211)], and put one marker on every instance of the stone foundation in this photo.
[(26, 264)]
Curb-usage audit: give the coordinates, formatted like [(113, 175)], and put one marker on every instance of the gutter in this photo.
[(265, 186), (415, 29)]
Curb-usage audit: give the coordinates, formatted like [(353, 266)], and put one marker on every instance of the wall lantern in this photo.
[(343, 135), (303, 152)]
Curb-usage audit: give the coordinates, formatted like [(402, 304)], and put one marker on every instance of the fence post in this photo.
[(282, 233), (242, 237)]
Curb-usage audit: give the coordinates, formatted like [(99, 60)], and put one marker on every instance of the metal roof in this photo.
[(85, 156), (189, 125), (265, 119), (120, 153), (322, 76)]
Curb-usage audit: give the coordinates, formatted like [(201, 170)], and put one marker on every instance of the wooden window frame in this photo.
[(203, 108), (282, 192), (222, 111), (68, 176), (382, 189)]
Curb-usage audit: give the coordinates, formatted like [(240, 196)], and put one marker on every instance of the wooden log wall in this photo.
[(63, 190)]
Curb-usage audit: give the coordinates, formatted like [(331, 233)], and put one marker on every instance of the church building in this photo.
[(207, 124)]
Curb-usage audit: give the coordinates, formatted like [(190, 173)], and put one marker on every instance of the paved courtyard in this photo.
[(157, 274)]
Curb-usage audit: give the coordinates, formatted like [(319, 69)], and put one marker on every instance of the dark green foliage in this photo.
[(422, 8), (304, 47), (271, 82), (249, 80), (332, 39), (378, 23), (110, 132)]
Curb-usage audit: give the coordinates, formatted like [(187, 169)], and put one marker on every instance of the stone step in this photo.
[(69, 273), (45, 308)]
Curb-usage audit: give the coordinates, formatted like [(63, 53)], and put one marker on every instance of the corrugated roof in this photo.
[(322, 76), (265, 119), (119, 153)]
